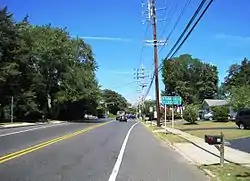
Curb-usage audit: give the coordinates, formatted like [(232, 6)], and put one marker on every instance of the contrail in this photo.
[(105, 38)]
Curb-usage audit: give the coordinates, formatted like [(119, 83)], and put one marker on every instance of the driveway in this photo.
[(242, 144)]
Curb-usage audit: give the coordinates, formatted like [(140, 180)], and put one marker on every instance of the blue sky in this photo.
[(221, 38)]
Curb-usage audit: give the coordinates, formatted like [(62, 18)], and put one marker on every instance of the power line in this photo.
[(195, 24), (122, 85), (142, 49), (170, 15), (176, 23), (188, 25), (189, 33)]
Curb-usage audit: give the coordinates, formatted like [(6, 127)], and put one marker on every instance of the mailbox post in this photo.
[(219, 142)]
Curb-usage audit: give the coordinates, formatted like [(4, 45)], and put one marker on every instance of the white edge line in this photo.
[(40, 127), (120, 156)]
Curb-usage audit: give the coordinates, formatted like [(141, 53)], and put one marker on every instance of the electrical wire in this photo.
[(188, 25), (176, 23), (142, 49), (195, 24), (122, 85), (168, 19), (188, 34)]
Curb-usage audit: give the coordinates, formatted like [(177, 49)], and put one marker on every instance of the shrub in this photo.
[(220, 113), (190, 113), (177, 115)]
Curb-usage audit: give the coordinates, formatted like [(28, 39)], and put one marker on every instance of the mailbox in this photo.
[(213, 140)]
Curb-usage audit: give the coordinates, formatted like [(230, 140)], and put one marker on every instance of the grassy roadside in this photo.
[(229, 172), (171, 138), (229, 129)]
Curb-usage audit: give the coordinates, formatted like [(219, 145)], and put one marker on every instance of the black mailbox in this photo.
[(213, 140)]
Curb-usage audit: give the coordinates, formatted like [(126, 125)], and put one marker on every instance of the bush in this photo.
[(190, 113), (177, 115), (220, 113)]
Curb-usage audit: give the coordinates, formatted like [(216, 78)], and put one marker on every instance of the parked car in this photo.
[(209, 116), (242, 119)]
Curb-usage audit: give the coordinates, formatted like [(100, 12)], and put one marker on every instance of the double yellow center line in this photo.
[(25, 151)]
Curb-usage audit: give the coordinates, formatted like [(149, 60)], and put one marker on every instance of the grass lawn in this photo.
[(229, 134), (229, 172), (166, 137), (229, 129), (206, 124), (171, 138)]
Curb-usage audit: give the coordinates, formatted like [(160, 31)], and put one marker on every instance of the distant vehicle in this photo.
[(242, 119), (209, 116), (121, 116), (131, 116)]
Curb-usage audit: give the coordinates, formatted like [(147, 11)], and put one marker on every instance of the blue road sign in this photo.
[(177, 100), (166, 100), (171, 100)]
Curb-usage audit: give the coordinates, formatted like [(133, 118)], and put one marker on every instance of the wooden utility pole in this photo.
[(156, 62)]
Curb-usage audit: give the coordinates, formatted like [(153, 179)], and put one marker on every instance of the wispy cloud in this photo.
[(106, 38), (119, 72), (234, 40)]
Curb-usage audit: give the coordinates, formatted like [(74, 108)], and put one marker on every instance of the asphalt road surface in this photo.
[(92, 152), (242, 144)]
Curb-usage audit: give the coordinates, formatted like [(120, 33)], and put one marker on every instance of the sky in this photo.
[(116, 32)]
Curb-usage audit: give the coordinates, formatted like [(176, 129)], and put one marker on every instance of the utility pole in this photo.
[(156, 62), (140, 75)]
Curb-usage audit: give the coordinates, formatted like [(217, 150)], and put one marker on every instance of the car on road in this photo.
[(121, 116), (242, 119)]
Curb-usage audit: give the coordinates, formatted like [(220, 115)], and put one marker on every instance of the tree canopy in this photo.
[(237, 75), (237, 84), (190, 78), (46, 71), (114, 101)]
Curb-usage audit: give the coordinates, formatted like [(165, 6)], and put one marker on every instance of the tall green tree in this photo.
[(237, 75), (114, 101), (46, 71), (9, 67), (190, 78), (237, 84), (239, 97)]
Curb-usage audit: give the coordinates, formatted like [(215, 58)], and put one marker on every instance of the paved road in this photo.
[(92, 155), (242, 144), (4, 131)]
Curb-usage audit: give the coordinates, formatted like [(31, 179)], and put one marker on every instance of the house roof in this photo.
[(215, 102)]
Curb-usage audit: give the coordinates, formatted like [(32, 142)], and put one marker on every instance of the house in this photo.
[(208, 103)]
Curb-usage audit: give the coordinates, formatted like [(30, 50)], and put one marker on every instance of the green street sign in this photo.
[(171, 100)]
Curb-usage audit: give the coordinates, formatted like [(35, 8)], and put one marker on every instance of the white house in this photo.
[(208, 103)]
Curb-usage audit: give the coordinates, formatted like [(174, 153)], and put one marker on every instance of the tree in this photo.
[(240, 97), (237, 75), (9, 67), (190, 78), (114, 101), (46, 71), (146, 107)]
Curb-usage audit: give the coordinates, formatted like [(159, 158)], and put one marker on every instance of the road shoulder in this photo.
[(147, 158)]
